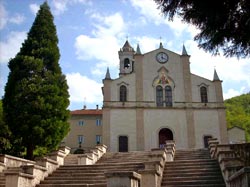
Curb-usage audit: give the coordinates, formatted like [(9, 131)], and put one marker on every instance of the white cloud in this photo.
[(148, 43), (3, 16), (11, 46), (149, 9), (228, 69), (17, 19), (82, 88), (104, 43), (34, 8), (231, 93), (60, 6)]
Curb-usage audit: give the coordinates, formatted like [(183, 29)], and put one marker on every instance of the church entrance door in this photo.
[(206, 138), (123, 144), (164, 135)]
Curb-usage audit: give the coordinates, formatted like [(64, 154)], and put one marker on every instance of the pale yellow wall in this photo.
[(206, 122), (128, 79), (196, 82), (89, 130), (150, 71), (156, 119), (123, 122), (203, 119), (236, 135)]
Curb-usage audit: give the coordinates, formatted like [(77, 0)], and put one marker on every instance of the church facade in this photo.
[(156, 98)]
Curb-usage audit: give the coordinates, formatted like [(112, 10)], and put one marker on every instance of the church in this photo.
[(157, 98)]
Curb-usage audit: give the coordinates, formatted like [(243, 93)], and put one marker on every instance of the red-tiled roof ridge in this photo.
[(86, 112)]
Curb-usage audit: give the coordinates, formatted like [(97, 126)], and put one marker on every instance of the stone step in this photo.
[(73, 185), (193, 182), (73, 181), (93, 175), (76, 177), (187, 163), (190, 174), (192, 168), (193, 177), (91, 172), (195, 185)]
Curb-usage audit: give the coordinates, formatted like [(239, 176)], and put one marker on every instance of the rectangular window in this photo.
[(80, 139), (81, 123), (98, 122), (98, 139)]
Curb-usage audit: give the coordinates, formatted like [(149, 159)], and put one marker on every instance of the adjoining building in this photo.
[(236, 135), (85, 129), (157, 98)]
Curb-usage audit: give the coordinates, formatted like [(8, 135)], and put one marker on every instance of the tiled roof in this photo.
[(86, 112)]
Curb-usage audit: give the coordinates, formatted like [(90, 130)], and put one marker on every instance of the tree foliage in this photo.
[(36, 94), (223, 24), (238, 112), (4, 132)]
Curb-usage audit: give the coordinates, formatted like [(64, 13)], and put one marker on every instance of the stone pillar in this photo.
[(149, 178), (123, 178), (85, 160), (58, 156), (15, 178)]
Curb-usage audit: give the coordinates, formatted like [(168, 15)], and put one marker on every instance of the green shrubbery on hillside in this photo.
[(238, 113)]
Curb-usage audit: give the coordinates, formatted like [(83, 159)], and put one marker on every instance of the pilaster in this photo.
[(139, 77), (188, 99), (140, 129), (106, 127)]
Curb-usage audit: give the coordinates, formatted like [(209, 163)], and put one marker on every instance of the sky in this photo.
[(90, 34)]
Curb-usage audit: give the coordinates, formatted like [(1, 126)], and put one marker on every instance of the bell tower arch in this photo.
[(126, 56)]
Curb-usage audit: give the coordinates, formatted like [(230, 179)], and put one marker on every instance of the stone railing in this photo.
[(152, 173), (233, 160), (243, 151), (240, 178), (25, 173), (93, 156)]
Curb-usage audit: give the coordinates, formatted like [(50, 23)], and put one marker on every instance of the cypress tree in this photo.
[(36, 94)]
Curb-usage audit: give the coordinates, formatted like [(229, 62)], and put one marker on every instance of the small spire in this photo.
[(216, 77), (161, 46), (138, 50), (107, 76), (84, 104), (127, 47), (184, 51)]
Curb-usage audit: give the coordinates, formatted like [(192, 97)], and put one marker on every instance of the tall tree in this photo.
[(223, 24), (4, 132), (36, 94)]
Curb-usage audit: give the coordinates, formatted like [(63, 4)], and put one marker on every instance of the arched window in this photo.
[(159, 96), (126, 63), (203, 92), (123, 93), (168, 96)]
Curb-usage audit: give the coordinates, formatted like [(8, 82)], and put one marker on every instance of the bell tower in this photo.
[(126, 56)]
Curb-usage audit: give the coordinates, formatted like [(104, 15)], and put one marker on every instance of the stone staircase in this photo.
[(192, 168), (71, 159), (2, 180), (94, 175)]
